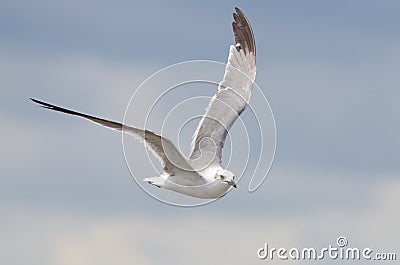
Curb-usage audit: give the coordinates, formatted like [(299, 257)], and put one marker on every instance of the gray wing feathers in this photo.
[(161, 147), (232, 97)]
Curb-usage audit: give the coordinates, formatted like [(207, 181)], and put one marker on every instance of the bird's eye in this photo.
[(222, 177)]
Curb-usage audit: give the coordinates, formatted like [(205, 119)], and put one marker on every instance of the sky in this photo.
[(328, 70)]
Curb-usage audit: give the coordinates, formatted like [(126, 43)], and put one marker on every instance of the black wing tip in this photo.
[(38, 101), (243, 32), (43, 104), (56, 108), (35, 100), (238, 10)]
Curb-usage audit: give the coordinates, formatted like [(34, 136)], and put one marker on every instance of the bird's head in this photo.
[(226, 176)]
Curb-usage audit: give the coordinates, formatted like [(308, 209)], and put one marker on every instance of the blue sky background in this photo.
[(329, 70)]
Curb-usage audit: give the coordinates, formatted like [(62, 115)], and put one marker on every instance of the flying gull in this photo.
[(202, 175)]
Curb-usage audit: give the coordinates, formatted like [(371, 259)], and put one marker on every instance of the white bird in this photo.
[(201, 175)]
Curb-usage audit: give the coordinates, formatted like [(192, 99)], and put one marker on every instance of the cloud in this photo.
[(54, 237)]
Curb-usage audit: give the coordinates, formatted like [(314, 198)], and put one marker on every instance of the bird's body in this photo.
[(206, 186), (202, 176)]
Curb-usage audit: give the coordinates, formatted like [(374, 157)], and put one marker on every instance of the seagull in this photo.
[(202, 175)]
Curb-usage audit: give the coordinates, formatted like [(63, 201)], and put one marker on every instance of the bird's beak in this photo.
[(232, 183)]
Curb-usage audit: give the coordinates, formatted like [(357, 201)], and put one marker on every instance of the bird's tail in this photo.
[(156, 181)]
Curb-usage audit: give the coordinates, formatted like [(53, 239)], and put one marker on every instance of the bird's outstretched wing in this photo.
[(231, 99), (171, 159)]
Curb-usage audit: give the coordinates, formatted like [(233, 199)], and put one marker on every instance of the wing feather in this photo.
[(231, 99), (161, 147)]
